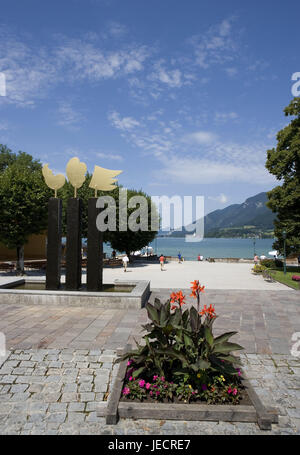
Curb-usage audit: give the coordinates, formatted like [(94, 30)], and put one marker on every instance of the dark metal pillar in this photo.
[(94, 250), (54, 243), (73, 257)]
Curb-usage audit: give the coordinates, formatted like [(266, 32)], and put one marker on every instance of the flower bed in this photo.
[(189, 363), (182, 369)]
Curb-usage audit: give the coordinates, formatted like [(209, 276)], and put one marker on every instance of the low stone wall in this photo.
[(234, 260), (135, 299), (225, 260)]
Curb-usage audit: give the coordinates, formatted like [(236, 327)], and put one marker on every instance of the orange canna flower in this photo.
[(196, 288), (173, 297), (210, 311), (177, 297)]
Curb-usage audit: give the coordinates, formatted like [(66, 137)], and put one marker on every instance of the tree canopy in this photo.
[(23, 200), (284, 162), (128, 240), (123, 241), (24, 205)]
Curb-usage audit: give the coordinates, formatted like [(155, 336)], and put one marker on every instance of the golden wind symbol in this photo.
[(55, 182), (102, 179)]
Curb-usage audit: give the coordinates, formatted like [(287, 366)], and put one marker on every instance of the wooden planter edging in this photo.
[(256, 413)]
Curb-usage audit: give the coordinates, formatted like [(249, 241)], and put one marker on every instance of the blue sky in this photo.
[(184, 96)]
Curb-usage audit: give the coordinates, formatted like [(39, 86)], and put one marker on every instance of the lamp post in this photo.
[(254, 242), (284, 251)]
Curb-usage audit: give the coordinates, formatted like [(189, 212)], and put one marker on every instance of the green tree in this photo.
[(129, 241), (23, 201), (124, 241), (284, 162)]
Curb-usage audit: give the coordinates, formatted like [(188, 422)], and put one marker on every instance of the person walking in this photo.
[(125, 262), (256, 259), (179, 258), (161, 261)]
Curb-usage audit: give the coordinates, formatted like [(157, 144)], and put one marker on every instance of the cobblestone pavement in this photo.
[(258, 317), (51, 391)]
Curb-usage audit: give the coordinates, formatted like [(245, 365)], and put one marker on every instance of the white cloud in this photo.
[(197, 158), (216, 46), (190, 170), (171, 77), (31, 69), (222, 198), (3, 126), (124, 124), (68, 116), (28, 71), (109, 156), (84, 60), (200, 137), (231, 71), (225, 116), (116, 29)]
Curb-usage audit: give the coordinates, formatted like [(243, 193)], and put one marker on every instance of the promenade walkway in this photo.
[(60, 360)]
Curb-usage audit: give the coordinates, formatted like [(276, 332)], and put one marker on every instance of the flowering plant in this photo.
[(182, 351)]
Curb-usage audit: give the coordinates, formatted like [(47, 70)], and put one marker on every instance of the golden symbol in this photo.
[(103, 179), (76, 171), (55, 182)]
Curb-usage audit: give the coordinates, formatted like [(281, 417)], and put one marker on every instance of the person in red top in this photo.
[(161, 260)]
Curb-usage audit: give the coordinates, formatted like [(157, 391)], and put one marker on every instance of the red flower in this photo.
[(177, 297), (210, 311), (196, 288)]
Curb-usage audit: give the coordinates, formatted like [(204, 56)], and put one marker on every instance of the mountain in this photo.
[(252, 217)]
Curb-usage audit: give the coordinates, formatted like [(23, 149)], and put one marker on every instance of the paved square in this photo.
[(60, 362)]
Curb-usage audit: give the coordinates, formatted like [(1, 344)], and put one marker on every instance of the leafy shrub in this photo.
[(278, 263), (181, 350), (258, 269), (269, 263)]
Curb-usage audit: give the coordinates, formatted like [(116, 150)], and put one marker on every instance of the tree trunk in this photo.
[(20, 260)]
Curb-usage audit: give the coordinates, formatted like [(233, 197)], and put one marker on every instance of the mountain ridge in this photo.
[(248, 219)]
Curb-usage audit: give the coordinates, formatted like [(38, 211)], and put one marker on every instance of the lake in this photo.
[(215, 248)]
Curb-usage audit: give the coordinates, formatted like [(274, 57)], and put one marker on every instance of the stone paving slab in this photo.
[(265, 321), (37, 408)]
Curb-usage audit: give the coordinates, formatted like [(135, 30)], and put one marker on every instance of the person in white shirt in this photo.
[(125, 262)]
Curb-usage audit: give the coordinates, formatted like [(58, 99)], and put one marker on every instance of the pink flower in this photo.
[(234, 391), (151, 393), (239, 372), (141, 383), (155, 377), (193, 393), (126, 391), (129, 372), (129, 363), (163, 379), (155, 386), (131, 378), (148, 385), (157, 393), (229, 390)]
